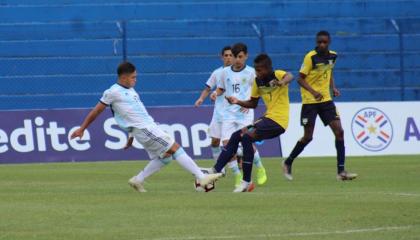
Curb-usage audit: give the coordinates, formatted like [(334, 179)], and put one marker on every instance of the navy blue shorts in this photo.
[(326, 111), (265, 128)]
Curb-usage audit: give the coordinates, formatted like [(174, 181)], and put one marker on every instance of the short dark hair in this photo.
[(125, 68), (239, 47), (263, 59), (225, 48), (323, 33)]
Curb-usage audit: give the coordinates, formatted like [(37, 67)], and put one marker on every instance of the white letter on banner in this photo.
[(54, 131), (116, 133), (27, 133), (79, 144), (195, 135), (3, 139), (40, 134)]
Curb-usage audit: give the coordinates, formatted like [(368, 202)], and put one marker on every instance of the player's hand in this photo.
[(129, 143), (213, 96), (78, 133), (198, 102), (281, 83), (274, 82), (244, 110), (232, 100), (336, 92), (318, 96)]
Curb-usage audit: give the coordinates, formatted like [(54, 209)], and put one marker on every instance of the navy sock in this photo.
[(248, 157), (341, 158), (295, 152), (228, 151)]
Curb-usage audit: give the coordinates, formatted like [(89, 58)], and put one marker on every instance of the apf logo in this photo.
[(372, 129)]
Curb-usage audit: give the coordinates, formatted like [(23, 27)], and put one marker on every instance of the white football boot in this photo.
[(137, 185), (244, 187)]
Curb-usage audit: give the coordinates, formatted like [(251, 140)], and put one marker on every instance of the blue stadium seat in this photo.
[(57, 54)]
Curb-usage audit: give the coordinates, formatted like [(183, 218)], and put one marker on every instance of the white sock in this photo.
[(186, 162), (215, 151), (240, 151), (152, 167), (257, 159), (233, 165)]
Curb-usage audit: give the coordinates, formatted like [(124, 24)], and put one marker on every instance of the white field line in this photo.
[(400, 194), (298, 234)]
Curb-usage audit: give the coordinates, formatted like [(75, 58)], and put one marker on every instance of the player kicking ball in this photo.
[(131, 116), (316, 80), (272, 87)]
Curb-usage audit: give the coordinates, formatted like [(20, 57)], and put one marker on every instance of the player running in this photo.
[(272, 87), (131, 116), (215, 128), (237, 81), (316, 80)]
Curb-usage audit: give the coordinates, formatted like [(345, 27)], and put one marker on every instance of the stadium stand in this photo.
[(63, 54)]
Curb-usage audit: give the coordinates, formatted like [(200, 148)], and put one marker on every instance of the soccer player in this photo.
[(272, 87), (316, 80), (237, 80), (215, 129), (131, 115)]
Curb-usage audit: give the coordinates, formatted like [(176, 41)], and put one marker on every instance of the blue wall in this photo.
[(56, 54)]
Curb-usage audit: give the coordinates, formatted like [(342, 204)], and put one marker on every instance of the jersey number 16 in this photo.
[(235, 88)]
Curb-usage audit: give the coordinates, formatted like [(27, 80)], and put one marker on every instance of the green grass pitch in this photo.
[(94, 201)]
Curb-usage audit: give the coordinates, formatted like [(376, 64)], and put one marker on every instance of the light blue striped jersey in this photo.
[(126, 106), (237, 84), (219, 103)]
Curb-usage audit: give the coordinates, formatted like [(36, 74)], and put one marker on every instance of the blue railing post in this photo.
[(122, 28), (401, 51), (260, 34), (124, 40)]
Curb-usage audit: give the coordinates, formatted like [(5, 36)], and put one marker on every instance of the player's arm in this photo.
[(302, 82), (206, 91), (304, 71), (336, 92), (251, 103), (93, 114), (130, 140), (288, 77), (216, 93)]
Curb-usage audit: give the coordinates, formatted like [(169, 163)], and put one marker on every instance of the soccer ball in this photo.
[(206, 188)]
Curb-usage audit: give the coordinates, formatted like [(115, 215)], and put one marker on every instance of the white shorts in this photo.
[(154, 140), (229, 127), (215, 129)]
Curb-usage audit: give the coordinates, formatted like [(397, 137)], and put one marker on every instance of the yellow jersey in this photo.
[(318, 70), (276, 98)]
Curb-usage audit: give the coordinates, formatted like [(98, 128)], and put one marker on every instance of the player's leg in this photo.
[(228, 128), (159, 144), (247, 163), (215, 130), (228, 151), (260, 169), (330, 116), (137, 182), (338, 131), (307, 120), (189, 164), (155, 164), (264, 128), (215, 148)]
